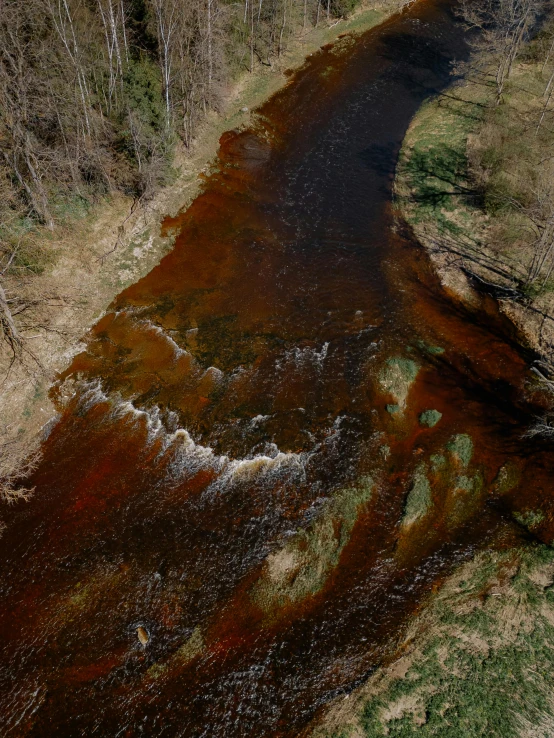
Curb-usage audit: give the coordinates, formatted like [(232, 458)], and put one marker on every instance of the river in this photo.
[(241, 467)]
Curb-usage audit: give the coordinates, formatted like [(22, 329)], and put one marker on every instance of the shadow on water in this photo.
[(238, 445)]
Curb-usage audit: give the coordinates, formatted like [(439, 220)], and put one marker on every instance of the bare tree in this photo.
[(502, 26), (166, 14), (18, 459)]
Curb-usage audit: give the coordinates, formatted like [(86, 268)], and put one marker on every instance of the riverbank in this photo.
[(472, 182), (476, 661), (93, 258)]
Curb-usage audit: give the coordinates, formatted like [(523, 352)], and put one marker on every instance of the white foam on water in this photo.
[(303, 358), (91, 394), (187, 457), (214, 373), (259, 419), (178, 351), (263, 465)]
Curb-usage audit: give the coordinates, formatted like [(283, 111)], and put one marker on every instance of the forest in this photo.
[(94, 93)]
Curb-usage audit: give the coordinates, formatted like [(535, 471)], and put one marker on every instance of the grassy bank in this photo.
[(475, 181), (476, 662)]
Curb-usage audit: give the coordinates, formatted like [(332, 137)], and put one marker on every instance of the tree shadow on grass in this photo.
[(436, 176)]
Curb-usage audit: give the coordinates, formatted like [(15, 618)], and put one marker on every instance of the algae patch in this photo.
[(397, 377), (507, 479), (461, 447), (432, 350), (529, 518), (429, 418), (303, 565), (188, 651), (418, 501)]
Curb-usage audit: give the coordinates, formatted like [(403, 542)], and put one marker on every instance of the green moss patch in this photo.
[(419, 500), (438, 462), (433, 350), (507, 479), (397, 377), (529, 518), (429, 418), (302, 567), (461, 447)]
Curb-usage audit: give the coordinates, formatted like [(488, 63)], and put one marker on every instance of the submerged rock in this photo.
[(142, 635)]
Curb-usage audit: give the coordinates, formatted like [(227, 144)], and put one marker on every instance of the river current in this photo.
[(277, 443)]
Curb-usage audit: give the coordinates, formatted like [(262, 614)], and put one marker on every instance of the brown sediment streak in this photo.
[(276, 360)]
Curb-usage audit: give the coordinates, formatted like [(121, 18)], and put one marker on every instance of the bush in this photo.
[(342, 8)]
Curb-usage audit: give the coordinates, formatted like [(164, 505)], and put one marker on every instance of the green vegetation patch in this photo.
[(433, 350), (461, 447), (438, 462), (397, 377), (433, 179), (302, 567), (529, 518), (507, 478), (430, 418), (188, 651), (481, 663), (419, 500)]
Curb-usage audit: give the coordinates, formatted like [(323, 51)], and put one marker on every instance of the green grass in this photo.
[(67, 207), (482, 665), (434, 185), (467, 690), (433, 169)]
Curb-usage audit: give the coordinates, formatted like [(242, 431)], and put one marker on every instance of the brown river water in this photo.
[(236, 444)]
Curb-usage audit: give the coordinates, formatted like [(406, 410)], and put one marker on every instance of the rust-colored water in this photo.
[(227, 396)]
